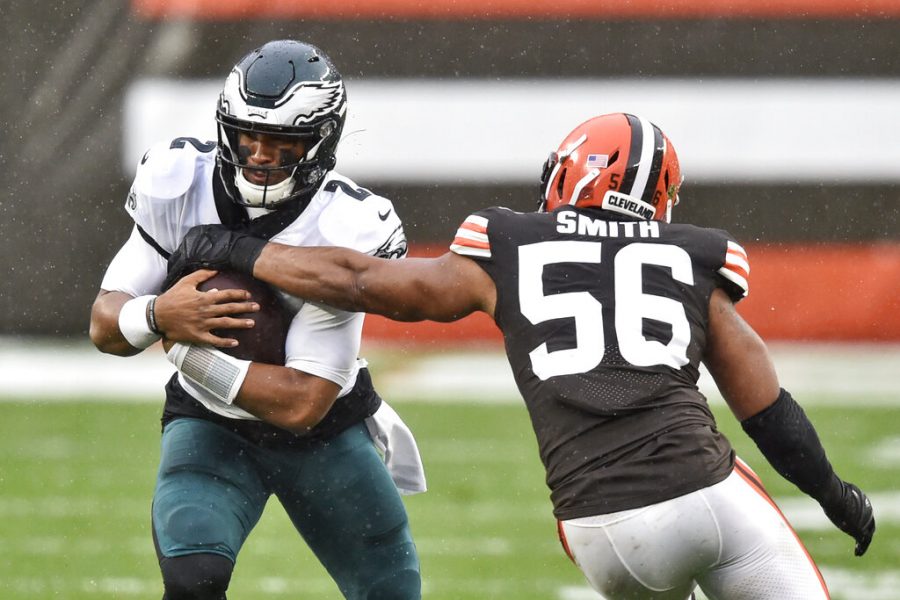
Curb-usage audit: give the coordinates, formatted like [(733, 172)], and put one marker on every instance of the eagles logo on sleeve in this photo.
[(395, 246)]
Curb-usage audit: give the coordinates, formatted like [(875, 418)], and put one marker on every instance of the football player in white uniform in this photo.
[(235, 431), (607, 310)]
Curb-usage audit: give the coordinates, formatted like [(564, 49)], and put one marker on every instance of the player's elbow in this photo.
[(104, 326), (302, 421), (108, 342), (291, 416), (97, 338), (304, 402), (100, 336)]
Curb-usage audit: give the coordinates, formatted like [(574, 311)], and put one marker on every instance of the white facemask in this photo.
[(255, 195)]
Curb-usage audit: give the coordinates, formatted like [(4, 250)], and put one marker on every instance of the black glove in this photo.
[(213, 247), (789, 442), (851, 511)]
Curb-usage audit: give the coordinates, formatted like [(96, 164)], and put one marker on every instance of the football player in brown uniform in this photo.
[(607, 311)]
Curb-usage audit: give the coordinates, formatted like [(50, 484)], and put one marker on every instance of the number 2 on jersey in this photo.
[(632, 306)]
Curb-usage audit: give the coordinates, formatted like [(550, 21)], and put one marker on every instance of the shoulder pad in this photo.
[(736, 270), (354, 217), (167, 169), (472, 237), (731, 264), (160, 201)]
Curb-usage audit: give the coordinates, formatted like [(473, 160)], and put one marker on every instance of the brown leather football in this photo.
[(264, 342)]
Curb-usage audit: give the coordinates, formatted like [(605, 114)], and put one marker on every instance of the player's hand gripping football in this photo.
[(851, 511), (186, 314), (213, 247)]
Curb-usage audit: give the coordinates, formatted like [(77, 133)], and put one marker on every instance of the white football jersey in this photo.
[(173, 191)]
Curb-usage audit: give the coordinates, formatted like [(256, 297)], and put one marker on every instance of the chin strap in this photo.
[(235, 217), (264, 196)]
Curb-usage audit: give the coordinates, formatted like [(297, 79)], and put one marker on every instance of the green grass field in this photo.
[(77, 478)]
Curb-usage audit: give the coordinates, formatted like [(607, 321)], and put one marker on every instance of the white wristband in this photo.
[(216, 372), (133, 322)]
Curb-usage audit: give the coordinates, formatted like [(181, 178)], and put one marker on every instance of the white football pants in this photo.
[(729, 538)]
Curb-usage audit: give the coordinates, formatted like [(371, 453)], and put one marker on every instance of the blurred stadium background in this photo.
[(785, 116)]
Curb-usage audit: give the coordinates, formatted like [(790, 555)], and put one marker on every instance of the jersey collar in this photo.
[(235, 217)]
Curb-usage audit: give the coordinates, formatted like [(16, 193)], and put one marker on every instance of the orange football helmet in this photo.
[(617, 162)]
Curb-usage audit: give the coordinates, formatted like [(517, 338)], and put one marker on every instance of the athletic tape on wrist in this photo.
[(133, 322), (216, 372)]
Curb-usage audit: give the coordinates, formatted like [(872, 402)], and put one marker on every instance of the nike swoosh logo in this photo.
[(384, 216)]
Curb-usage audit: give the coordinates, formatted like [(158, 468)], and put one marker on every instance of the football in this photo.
[(265, 341)]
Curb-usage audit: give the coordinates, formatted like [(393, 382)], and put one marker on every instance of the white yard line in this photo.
[(805, 514), (832, 372), (46, 369), (63, 371)]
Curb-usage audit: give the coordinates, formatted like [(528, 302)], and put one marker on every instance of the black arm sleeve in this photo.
[(789, 442)]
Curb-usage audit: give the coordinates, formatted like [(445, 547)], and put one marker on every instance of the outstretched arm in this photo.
[(446, 288), (738, 360)]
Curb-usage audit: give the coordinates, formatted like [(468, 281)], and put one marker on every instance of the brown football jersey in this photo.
[(605, 323)]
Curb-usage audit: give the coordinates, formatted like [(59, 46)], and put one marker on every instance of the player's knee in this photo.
[(401, 585), (399, 577), (196, 576)]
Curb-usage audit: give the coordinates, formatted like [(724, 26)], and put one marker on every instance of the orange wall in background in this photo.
[(825, 292), (211, 10), (828, 292)]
